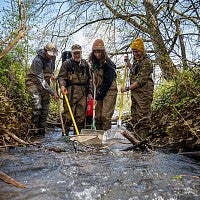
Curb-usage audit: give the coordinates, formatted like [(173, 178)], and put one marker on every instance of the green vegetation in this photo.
[(15, 117), (176, 109), (177, 92)]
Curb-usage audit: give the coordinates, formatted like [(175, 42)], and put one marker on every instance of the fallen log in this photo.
[(194, 155), (130, 136), (56, 149), (15, 137), (10, 180), (143, 145)]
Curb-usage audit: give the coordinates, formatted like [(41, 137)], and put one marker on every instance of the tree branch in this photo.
[(10, 180), (126, 17), (20, 35)]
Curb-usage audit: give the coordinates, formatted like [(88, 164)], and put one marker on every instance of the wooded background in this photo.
[(170, 28)]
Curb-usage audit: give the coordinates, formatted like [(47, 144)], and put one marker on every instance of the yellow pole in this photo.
[(122, 97), (72, 116)]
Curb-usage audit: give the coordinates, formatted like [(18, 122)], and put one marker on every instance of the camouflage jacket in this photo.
[(141, 72)]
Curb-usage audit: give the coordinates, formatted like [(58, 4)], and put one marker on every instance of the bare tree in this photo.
[(14, 37), (119, 21)]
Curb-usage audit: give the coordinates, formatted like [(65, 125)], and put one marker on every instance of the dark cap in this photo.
[(76, 48)]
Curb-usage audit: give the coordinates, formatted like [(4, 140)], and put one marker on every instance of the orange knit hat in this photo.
[(98, 45), (137, 44)]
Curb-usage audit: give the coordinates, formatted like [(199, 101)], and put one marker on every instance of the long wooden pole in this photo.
[(119, 122)]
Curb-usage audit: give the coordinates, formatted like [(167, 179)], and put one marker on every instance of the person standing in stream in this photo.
[(75, 81), (105, 83), (141, 87), (38, 80)]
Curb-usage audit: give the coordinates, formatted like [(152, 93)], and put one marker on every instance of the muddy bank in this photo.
[(178, 129)]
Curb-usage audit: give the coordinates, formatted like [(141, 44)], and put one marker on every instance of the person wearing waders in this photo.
[(38, 80), (141, 87), (75, 81), (104, 72)]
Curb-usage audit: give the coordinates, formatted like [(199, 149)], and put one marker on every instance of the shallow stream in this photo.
[(57, 169)]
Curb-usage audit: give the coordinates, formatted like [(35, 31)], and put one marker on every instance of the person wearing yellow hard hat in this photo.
[(141, 87)]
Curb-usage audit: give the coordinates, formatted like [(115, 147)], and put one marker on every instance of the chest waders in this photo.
[(77, 82)]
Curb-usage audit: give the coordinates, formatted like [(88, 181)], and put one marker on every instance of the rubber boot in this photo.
[(67, 129), (80, 127), (42, 127), (35, 128), (42, 131)]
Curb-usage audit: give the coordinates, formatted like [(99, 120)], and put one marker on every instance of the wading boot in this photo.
[(67, 129), (42, 131)]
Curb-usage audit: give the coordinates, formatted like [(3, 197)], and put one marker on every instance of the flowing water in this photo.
[(57, 169)]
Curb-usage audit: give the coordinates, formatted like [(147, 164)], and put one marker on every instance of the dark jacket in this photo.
[(105, 78), (40, 72)]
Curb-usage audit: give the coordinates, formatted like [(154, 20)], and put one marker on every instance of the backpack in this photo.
[(66, 55)]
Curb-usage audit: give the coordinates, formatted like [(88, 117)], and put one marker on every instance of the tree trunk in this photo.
[(183, 52), (168, 68)]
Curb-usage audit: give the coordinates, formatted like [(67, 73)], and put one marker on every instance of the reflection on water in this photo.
[(109, 174)]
